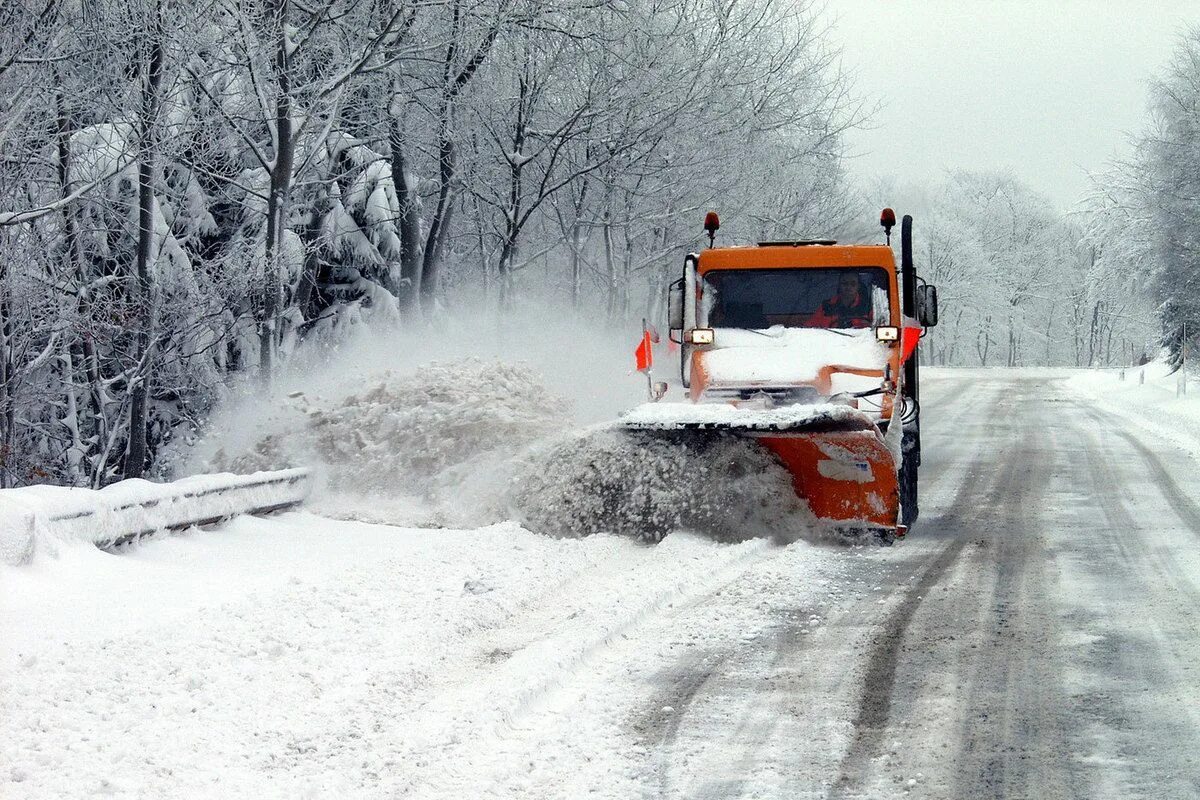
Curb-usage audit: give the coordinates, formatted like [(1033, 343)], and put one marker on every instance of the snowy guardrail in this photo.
[(129, 509)]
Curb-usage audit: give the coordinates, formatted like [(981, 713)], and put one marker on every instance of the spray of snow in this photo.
[(646, 485)]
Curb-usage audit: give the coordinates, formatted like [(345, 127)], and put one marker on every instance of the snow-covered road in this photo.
[(1036, 636)]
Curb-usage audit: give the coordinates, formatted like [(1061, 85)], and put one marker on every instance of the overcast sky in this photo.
[(1048, 88)]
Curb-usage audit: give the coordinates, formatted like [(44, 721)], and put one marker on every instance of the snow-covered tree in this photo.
[(1006, 264), (190, 192), (1142, 220)]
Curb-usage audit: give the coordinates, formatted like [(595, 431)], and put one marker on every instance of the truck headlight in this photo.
[(699, 336), (887, 333)]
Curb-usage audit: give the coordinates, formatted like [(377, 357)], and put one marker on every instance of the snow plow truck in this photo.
[(809, 347)]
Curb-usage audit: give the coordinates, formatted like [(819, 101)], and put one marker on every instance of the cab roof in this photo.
[(773, 255)]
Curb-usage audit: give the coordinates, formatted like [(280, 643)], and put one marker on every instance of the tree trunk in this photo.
[(610, 268), (577, 246), (7, 408), (136, 450), (576, 263), (1049, 334), (983, 341), (277, 200), (485, 267), (408, 292), (626, 275), (432, 261), (74, 454), (504, 271), (73, 258), (1094, 335)]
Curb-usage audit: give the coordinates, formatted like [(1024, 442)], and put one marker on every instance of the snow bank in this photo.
[(34, 516), (1148, 396)]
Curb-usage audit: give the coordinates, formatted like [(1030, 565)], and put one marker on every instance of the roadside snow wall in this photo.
[(34, 517)]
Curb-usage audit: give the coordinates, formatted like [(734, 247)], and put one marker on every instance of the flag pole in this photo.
[(649, 362)]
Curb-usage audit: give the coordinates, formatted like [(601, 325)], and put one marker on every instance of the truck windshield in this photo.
[(835, 297)]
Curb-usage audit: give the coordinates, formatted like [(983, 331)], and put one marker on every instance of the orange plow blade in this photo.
[(847, 477)]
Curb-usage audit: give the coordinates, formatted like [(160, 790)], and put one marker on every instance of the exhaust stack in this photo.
[(908, 300)]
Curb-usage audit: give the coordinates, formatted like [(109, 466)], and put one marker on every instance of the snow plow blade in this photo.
[(699, 417), (838, 459)]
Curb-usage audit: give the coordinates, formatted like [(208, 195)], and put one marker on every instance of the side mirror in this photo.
[(927, 305), (675, 306)]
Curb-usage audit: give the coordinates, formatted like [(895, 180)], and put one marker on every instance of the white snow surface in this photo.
[(1149, 397), (297, 656), (789, 356)]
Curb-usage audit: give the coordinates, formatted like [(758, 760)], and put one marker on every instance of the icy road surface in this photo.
[(1037, 636)]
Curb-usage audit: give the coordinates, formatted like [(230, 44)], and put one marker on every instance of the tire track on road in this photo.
[(488, 706), (871, 720), (1164, 563), (1014, 738), (1183, 506)]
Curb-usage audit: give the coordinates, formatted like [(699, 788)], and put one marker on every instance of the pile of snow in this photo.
[(646, 485)]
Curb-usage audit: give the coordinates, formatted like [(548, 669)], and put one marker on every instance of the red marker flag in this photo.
[(644, 353), (908, 341)]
